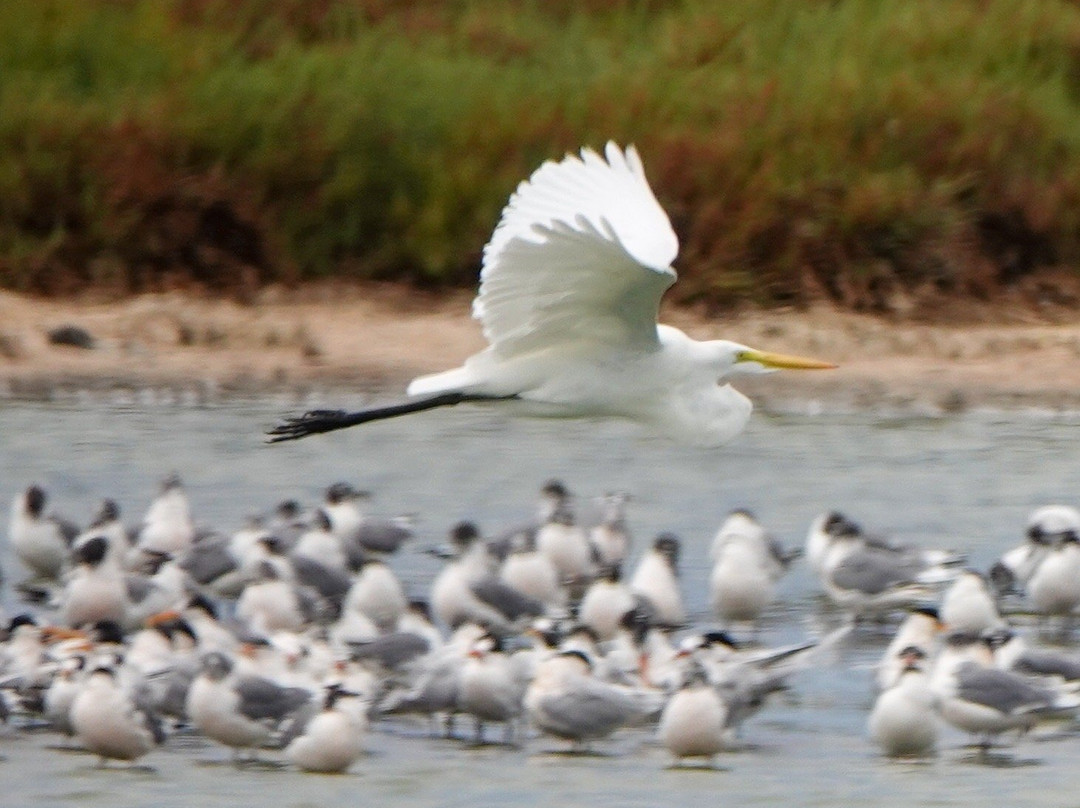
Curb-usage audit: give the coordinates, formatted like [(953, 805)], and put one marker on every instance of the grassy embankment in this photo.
[(884, 155)]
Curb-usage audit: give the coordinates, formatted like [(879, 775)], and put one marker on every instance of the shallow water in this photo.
[(966, 482)]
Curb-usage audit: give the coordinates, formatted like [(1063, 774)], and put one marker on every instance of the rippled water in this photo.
[(966, 482)]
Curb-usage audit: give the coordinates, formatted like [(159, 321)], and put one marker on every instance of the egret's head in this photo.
[(745, 360)]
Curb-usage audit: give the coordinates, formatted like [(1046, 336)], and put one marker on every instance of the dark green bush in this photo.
[(862, 151)]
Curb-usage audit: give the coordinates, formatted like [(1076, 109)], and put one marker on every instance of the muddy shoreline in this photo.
[(353, 343)]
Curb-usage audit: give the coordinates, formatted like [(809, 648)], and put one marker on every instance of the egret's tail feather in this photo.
[(313, 422), (442, 382)]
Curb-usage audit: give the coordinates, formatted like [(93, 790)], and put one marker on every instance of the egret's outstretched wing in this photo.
[(582, 252)]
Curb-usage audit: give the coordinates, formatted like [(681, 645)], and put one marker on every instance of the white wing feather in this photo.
[(582, 252)]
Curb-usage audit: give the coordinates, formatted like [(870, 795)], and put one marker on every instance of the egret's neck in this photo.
[(713, 358), (703, 411)]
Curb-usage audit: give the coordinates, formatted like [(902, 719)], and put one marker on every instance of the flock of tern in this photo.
[(294, 633)]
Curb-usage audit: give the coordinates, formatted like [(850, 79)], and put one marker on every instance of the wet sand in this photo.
[(369, 339)]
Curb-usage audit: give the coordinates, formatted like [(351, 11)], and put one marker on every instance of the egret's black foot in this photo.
[(311, 422)]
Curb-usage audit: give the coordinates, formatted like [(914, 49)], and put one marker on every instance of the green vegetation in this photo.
[(877, 153)]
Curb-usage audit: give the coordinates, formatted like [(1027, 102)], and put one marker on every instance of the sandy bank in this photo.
[(355, 341)]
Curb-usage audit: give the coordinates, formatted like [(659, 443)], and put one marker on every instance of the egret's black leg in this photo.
[(313, 422)]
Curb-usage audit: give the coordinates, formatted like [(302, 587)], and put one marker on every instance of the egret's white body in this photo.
[(569, 293)]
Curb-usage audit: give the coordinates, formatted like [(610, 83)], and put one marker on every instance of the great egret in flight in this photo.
[(569, 294)]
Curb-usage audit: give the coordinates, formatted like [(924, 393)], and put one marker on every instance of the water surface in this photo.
[(964, 481)]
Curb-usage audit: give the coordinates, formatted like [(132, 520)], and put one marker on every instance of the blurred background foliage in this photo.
[(886, 156)]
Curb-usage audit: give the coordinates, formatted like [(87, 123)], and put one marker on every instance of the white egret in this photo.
[(569, 293)]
